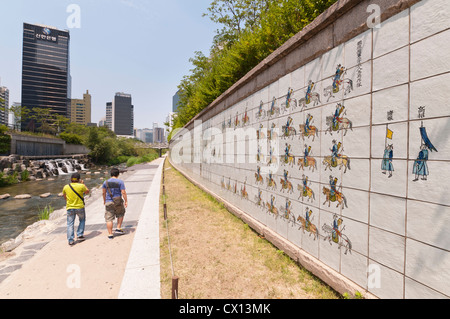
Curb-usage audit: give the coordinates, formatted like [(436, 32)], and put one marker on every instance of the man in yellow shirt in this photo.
[(74, 196)]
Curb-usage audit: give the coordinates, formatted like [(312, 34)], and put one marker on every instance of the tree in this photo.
[(251, 31), (235, 16)]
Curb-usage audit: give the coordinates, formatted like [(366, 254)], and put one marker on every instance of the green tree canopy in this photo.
[(250, 31)]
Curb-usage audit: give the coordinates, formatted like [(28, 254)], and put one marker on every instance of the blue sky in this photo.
[(140, 47)]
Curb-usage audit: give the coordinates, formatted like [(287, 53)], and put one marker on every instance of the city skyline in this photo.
[(132, 56)]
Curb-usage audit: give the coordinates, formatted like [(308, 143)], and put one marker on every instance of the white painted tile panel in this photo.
[(430, 190), (396, 185), (399, 140), (429, 17), (388, 213), (351, 49), (354, 267), (392, 35), (391, 69), (430, 56), (358, 110), (387, 248), (395, 99), (391, 283), (428, 265), (432, 93), (415, 290), (331, 60), (429, 223)]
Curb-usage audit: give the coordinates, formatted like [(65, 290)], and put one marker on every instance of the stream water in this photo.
[(16, 215)]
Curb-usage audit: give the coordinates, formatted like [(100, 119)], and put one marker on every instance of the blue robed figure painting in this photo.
[(421, 164)]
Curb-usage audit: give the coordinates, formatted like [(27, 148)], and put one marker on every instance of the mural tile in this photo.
[(391, 69), (429, 17), (354, 267), (428, 265), (390, 138), (390, 105), (357, 204), (392, 35), (415, 290), (391, 283), (358, 50), (388, 213), (430, 56), (387, 248), (429, 223), (428, 96), (382, 184)]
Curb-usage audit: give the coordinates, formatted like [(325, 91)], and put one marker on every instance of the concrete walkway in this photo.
[(126, 267)]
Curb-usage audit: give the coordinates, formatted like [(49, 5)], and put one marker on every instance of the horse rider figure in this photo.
[(287, 207), (308, 218), (337, 116), (272, 107), (272, 202), (288, 97), (307, 153), (305, 186), (335, 153), (309, 120), (337, 78), (309, 91), (288, 126), (333, 190), (287, 151), (336, 232), (286, 173)]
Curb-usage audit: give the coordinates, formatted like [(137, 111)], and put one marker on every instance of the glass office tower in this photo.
[(45, 71)]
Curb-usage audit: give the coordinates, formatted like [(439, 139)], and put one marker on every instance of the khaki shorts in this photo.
[(113, 212)]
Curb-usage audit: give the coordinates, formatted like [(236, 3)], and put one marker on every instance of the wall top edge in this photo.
[(337, 11)]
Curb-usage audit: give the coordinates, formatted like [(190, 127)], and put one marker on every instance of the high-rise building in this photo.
[(175, 101), (4, 105), (45, 71), (120, 115), (81, 110)]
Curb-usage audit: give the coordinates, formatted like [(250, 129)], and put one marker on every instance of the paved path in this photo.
[(126, 267)]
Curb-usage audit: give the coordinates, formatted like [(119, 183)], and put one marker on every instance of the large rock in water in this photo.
[(46, 195), (25, 196), (5, 196)]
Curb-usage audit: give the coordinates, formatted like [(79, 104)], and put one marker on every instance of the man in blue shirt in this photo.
[(116, 201)]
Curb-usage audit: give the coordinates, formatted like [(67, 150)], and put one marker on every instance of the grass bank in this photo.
[(218, 256)]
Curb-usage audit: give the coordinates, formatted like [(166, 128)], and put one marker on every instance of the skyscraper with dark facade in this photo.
[(120, 115), (45, 71)]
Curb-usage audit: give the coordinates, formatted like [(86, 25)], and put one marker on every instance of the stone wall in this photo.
[(357, 196)]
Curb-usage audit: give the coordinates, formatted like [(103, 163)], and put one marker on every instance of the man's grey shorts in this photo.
[(113, 212)]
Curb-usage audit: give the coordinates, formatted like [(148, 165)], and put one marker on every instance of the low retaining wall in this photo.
[(25, 145), (336, 148)]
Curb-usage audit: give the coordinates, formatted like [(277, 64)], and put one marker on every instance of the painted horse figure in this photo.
[(343, 124), (315, 97), (313, 132), (286, 185), (338, 197), (337, 237), (289, 160), (311, 229), (310, 162), (341, 161), (308, 192)]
